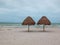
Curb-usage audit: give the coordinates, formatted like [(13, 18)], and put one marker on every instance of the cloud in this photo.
[(36, 6), (49, 8)]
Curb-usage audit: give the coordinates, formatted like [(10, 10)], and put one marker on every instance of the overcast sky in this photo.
[(18, 10)]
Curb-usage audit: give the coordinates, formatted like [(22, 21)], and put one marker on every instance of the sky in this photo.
[(18, 10)]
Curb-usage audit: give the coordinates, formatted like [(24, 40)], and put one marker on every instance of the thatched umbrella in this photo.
[(45, 21), (28, 21)]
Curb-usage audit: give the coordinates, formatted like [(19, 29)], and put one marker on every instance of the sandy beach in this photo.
[(20, 36)]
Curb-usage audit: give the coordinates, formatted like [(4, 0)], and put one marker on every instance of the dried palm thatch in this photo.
[(44, 21), (28, 21)]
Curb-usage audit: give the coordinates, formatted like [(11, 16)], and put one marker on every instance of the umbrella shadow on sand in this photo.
[(37, 31)]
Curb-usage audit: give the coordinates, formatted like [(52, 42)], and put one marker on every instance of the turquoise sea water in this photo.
[(20, 25)]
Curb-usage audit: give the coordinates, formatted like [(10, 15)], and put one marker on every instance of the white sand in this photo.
[(20, 36)]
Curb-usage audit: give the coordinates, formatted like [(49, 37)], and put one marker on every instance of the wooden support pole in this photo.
[(43, 27), (28, 28)]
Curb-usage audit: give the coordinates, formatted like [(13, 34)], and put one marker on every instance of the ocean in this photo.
[(21, 26)]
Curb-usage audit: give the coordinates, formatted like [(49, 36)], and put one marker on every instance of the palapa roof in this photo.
[(28, 21), (44, 20)]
